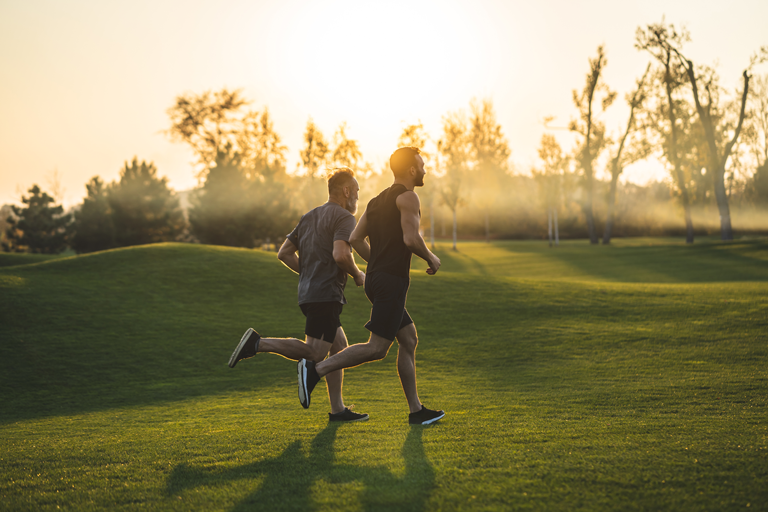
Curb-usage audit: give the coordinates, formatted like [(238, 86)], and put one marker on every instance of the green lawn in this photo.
[(628, 377)]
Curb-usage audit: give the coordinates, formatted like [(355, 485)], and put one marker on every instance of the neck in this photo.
[(407, 184), (339, 201)]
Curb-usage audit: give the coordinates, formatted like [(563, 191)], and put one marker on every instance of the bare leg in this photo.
[(335, 380), (406, 365), (355, 355), (290, 348)]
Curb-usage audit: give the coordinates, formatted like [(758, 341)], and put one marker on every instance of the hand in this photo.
[(360, 279), (434, 265)]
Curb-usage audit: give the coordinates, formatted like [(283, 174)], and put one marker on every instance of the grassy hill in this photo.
[(630, 376)]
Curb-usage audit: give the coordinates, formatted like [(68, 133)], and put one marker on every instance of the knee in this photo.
[(380, 350), (408, 343), (319, 352)]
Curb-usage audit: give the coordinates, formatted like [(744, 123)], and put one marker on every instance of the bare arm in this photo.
[(287, 254), (357, 238), (342, 253), (408, 204)]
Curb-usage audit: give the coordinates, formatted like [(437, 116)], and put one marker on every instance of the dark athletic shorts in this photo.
[(322, 319), (387, 293)]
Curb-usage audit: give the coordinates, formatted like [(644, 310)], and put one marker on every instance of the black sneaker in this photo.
[(425, 416), (347, 415), (248, 346), (308, 379)]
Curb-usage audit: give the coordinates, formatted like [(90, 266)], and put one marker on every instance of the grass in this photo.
[(626, 377)]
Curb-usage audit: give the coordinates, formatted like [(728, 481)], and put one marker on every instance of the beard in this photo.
[(419, 181), (351, 206)]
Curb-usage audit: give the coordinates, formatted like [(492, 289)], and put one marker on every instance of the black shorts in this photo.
[(387, 293), (322, 319)]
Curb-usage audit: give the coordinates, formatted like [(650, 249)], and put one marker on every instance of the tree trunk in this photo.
[(675, 160), (454, 230), (557, 231), (609, 212), (432, 222), (487, 229), (549, 225), (726, 232)]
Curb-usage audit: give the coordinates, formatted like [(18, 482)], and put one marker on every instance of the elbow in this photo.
[(282, 255), (410, 241)]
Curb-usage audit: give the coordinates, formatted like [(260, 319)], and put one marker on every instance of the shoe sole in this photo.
[(303, 394), (233, 359), (364, 418), (430, 420)]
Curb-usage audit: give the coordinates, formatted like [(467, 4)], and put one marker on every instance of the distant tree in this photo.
[(40, 227), (207, 122), (414, 135), (346, 151), (629, 150), (314, 156), (703, 82), (591, 129), (5, 212), (489, 152), (93, 228), (222, 211), (144, 210), (454, 153), (549, 180), (659, 40), (756, 138)]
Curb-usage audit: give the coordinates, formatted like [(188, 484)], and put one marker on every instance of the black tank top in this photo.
[(388, 251)]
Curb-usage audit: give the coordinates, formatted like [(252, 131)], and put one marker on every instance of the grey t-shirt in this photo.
[(320, 278)]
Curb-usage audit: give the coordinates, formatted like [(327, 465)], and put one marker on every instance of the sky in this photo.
[(85, 85)]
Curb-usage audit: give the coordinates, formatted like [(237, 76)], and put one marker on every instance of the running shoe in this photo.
[(347, 415), (308, 379), (425, 416), (248, 346)]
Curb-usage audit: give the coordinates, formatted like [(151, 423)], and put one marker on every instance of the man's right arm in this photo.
[(287, 254), (408, 204)]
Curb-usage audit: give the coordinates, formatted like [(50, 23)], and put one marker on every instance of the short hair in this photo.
[(339, 178), (403, 159)]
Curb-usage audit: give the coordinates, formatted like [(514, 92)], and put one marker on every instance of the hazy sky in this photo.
[(85, 85)]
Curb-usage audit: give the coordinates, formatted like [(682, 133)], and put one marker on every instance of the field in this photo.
[(627, 377)]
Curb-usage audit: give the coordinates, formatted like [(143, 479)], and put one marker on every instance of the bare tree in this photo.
[(453, 148), (718, 157), (593, 130), (549, 179), (638, 151)]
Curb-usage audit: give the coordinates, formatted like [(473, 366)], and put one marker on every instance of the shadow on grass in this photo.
[(294, 481), (707, 262)]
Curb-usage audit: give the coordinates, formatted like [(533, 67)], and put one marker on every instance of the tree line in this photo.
[(714, 143)]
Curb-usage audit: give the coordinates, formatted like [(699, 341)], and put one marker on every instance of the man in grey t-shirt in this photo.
[(324, 259)]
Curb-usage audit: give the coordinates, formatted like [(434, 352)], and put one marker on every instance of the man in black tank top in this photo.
[(391, 223)]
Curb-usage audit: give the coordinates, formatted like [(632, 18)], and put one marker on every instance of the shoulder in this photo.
[(408, 200)]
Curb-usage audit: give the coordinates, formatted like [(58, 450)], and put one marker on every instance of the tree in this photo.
[(93, 228), (756, 137), (454, 151), (314, 157), (414, 135), (591, 129), (549, 179), (718, 156), (637, 150), (346, 152), (40, 227), (144, 210), (489, 152), (207, 122)]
